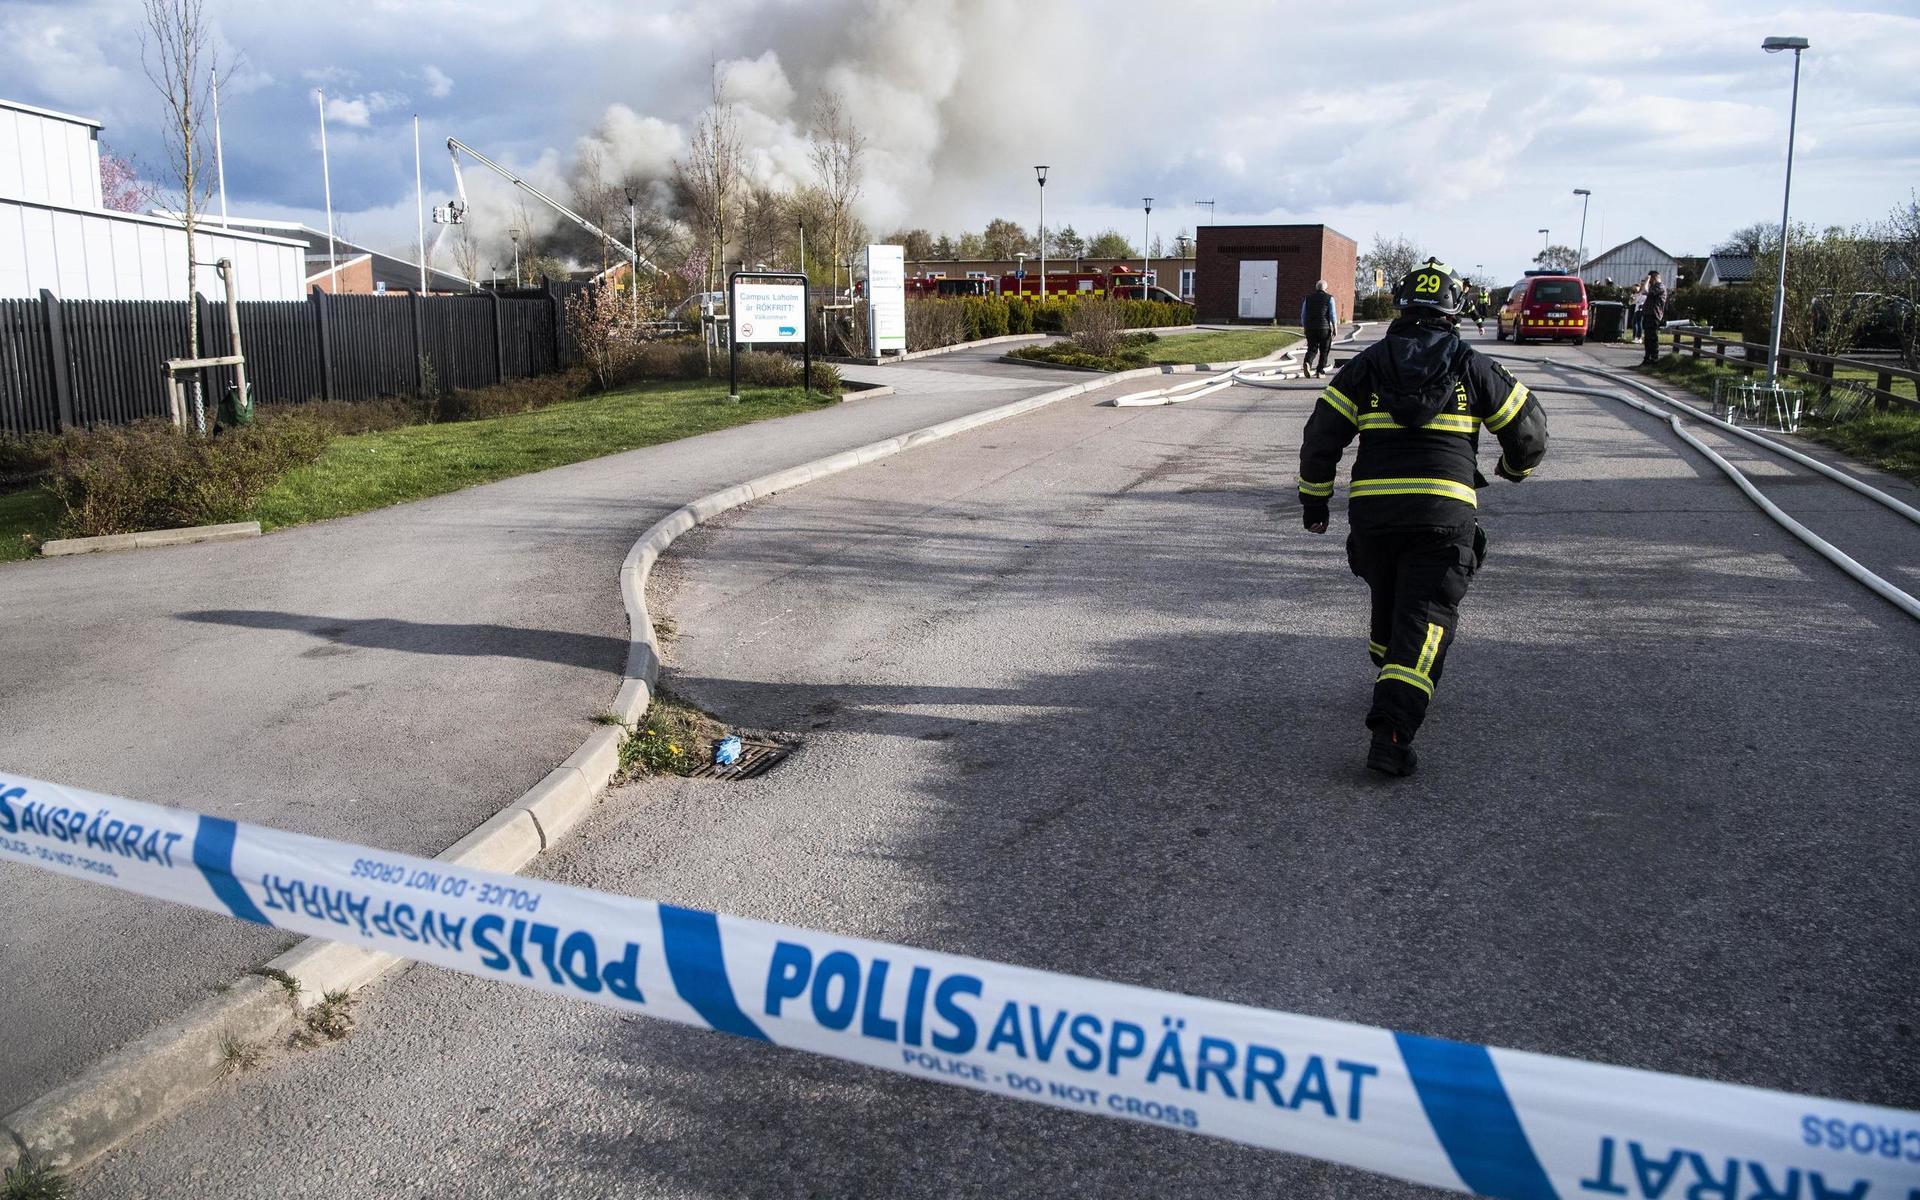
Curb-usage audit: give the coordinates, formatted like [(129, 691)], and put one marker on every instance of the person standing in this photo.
[(1417, 399), (1653, 314), (1319, 314), (1634, 303)]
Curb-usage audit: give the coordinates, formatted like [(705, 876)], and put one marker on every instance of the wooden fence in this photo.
[(1819, 369), (67, 363)]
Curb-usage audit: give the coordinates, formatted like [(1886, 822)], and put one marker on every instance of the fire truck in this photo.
[(1124, 283)]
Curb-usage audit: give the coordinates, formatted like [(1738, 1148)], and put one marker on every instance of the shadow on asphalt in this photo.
[(344, 635), (1657, 824)]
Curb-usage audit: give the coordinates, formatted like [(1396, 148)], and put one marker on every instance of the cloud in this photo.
[(348, 111), (1432, 121)]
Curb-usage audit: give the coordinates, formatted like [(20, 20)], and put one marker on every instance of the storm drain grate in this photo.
[(756, 758)]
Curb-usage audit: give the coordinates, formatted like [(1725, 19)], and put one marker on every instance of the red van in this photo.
[(1544, 305)]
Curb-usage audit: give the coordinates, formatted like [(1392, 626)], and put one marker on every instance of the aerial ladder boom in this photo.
[(454, 212)]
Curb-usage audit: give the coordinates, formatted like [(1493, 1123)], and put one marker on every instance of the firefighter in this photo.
[(1417, 399)]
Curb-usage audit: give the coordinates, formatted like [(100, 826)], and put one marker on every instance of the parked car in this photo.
[(1885, 323), (689, 310), (1545, 305)]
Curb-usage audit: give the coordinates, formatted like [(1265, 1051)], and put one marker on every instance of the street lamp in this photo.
[(1775, 45), (1040, 173), (633, 244), (1581, 253), (515, 235), (1146, 248), (1543, 240), (1184, 244), (1019, 272)]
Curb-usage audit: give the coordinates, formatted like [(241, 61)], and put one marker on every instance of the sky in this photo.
[(1464, 132)]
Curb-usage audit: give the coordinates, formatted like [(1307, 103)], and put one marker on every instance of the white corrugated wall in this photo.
[(113, 256)]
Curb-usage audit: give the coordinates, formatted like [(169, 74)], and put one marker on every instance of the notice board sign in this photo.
[(769, 309), (886, 299)]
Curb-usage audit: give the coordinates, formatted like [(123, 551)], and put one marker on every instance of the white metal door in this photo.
[(1256, 289)]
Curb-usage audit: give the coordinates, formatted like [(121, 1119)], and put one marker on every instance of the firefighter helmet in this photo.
[(1432, 284)]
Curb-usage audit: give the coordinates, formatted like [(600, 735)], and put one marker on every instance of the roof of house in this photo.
[(1732, 268), (1622, 246), (397, 274), (16, 106)]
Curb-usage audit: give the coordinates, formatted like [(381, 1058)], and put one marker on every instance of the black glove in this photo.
[(1479, 480), (1314, 517), (1479, 546), (1500, 469)]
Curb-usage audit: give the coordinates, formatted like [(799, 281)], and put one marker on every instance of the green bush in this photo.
[(150, 475), (1377, 307), (1731, 309)]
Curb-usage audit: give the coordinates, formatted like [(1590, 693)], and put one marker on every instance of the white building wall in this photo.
[(101, 255), (49, 157)]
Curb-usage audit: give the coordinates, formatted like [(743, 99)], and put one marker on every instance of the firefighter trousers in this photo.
[(1418, 578)]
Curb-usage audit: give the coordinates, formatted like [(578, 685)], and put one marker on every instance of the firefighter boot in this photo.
[(1390, 754)]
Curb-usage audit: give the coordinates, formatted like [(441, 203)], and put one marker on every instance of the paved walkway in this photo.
[(1078, 693), (393, 678)]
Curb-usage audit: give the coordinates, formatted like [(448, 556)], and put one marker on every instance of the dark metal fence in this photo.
[(66, 363)]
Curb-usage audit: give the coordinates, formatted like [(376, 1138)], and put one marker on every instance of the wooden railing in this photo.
[(1819, 367)]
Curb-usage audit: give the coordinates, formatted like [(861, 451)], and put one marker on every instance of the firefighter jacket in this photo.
[(1417, 399)]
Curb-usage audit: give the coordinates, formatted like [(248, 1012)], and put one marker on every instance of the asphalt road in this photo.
[(1078, 693), (394, 678)]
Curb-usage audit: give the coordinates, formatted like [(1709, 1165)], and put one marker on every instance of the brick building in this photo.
[(1261, 273)]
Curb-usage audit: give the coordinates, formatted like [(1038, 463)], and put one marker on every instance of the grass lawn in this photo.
[(1226, 345), (1889, 440), (372, 470), (26, 519)]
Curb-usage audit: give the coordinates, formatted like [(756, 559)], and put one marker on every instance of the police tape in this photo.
[(1449, 1114)]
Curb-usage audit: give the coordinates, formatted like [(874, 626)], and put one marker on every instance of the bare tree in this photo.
[(767, 233), (598, 200), (838, 150), (1749, 239), (179, 62), (1554, 258), (466, 252), (708, 178), (1389, 259)]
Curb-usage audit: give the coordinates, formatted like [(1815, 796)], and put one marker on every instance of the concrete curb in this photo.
[(164, 1069), (150, 538), (871, 393)]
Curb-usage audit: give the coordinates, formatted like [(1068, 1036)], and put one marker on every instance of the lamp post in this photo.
[(1184, 244), (1146, 247), (1544, 239), (633, 244), (1581, 254), (1019, 272), (1040, 173), (515, 235), (1775, 45)]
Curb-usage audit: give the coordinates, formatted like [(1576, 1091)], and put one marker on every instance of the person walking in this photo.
[(1319, 315), (1417, 399), (1652, 314)]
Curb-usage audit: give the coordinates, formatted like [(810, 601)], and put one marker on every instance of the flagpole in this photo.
[(419, 205), (219, 152), (326, 181)]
